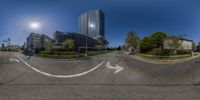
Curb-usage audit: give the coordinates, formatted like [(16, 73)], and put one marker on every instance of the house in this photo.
[(185, 44)]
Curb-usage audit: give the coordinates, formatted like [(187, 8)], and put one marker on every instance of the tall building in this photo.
[(92, 23)]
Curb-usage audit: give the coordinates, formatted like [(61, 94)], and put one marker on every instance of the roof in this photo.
[(186, 39), (183, 39)]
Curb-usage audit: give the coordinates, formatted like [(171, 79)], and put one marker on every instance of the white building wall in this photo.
[(185, 44)]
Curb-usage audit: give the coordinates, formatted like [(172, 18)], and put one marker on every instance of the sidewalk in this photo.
[(163, 61)]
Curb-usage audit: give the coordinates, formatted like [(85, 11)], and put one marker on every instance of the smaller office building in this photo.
[(80, 40), (37, 42), (33, 42)]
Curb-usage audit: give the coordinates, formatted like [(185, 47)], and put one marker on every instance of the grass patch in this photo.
[(159, 57)]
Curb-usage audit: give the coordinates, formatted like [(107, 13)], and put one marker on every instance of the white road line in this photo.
[(14, 60), (60, 76), (117, 68)]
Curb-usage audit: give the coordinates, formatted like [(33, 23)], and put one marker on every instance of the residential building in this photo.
[(185, 44)]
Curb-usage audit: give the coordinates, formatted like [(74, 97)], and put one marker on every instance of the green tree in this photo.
[(159, 38), (193, 46), (132, 40), (147, 43), (49, 46), (174, 43), (69, 44)]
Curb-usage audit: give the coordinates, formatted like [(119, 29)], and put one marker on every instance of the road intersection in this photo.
[(108, 76)]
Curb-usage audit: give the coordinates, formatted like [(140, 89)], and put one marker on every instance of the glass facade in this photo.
[(92, 23)]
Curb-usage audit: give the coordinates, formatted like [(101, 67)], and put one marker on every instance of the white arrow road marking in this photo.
[(60, 76), (14, 60), (117, 68)]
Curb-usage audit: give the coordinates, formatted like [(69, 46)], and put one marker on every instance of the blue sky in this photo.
[(143, 16)]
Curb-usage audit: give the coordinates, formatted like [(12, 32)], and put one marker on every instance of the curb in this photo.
[(58, 59)]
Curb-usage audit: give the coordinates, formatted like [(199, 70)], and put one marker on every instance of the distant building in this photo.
[(13, 48), (37, 41), (58, 37), (185, 44), (33, 41), (46, 41), (92, 23), (198, 47), (80, 40)]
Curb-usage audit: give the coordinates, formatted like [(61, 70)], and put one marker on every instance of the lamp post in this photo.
[(86, 44), (28, 46)]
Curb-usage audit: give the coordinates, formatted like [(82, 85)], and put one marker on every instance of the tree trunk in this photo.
[(174, 52)]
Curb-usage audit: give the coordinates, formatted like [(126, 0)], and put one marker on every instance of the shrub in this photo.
[(66, 53), (166, 52), (47, 52), (155, 51), (92, 53), (61, 56), (58, 52), (181, 52)]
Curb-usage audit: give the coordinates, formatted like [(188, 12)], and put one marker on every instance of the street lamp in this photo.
[(89, 25), (86, 44)]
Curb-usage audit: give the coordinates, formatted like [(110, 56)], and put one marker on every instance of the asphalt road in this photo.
[(33, 78)]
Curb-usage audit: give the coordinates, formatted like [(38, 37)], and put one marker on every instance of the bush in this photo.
[(58, 52), (166, 52), (181, 52), (46, 52), (61, 56), (92, 53), (155, 51), (66, 53)]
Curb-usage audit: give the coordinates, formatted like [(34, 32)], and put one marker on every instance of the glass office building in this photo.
[(92, 23)]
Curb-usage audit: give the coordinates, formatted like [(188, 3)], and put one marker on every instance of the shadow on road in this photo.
[(11, 80), (198, 62), (29, 54), (29, 57)]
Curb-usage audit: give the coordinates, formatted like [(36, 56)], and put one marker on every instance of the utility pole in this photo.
[(9, 43), (198, 45), (86, 44)]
